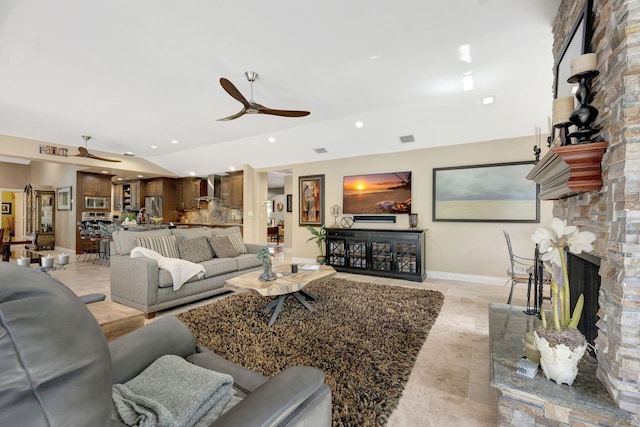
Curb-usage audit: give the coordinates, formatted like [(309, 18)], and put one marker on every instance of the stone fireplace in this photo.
[(613, 212)]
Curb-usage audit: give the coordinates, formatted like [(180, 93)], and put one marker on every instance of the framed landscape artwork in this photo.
[(311, 196), (485, 193), (64, 199)]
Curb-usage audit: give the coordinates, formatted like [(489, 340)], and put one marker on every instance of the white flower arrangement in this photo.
[(552, 243)]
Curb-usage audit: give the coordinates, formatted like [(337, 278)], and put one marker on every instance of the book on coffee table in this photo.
[(309, 267)]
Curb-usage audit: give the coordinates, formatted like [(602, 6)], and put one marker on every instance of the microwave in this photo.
[(97, 202)]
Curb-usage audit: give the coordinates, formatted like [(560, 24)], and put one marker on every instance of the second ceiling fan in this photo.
[(250, 106)]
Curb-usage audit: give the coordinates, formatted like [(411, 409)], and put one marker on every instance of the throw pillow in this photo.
[(164, 245), (195, 250), (222, 246), (236, 240)]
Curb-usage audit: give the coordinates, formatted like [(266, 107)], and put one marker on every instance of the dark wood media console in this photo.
[(388, 253)]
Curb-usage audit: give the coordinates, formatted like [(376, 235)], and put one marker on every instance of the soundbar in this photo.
[(374, 218)]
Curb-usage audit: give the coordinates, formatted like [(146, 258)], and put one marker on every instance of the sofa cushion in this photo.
[(195, 250), (247, 261), (164, 245), (225, 231), (190, 233), (218, 266), (222, 246), (164, 279), (124, 240), (236, 241)]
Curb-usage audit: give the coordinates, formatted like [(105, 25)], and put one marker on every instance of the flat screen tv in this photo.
[(378, 193)]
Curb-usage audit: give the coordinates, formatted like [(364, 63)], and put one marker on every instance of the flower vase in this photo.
[(559, 362)]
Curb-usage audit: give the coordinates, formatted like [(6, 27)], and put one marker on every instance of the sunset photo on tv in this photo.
[(380, 193)]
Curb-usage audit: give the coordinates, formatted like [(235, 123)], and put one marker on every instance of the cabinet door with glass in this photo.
[(41, 215)]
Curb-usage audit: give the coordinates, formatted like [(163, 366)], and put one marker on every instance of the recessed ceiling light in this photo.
[(192, 173), (129, 153), (464, 52), (231, 168), (374, 57), (271, 139), (105, 171), (140, 176), (488, 100), (119, 179), (154, 146), (467, 82), (359, 124), (174, 142)]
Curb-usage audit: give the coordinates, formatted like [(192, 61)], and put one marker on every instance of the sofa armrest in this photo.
[(285, 397), (134, 279), (253, 248), (133, 352)]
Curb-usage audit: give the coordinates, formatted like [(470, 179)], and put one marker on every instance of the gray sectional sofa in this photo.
[(141, 284)]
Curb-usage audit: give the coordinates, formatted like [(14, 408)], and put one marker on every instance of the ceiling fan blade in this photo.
[(103, 159), (234, 92), (83, 152), (235, 116), (284, 113)]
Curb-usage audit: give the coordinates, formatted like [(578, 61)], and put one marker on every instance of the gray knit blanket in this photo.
[(172, 392)]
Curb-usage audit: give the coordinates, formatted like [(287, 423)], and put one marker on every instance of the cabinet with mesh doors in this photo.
[(388, 253)]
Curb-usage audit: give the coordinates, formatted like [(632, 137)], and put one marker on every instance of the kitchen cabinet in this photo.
[(388, 253), (40, 210), (167, 189), (96, 185), (127, 196), (231, 190), (188, 190)]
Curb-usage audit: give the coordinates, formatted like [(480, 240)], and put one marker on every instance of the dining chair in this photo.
[(520, 268)]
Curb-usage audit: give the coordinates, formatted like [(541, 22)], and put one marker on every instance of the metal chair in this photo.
[(520, 268)]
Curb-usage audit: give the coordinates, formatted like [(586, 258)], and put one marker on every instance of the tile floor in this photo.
[(449, 385)]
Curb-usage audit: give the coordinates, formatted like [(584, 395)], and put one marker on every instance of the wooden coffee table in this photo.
[(281, 288)]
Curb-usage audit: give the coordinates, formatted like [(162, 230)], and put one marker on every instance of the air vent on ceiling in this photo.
[(320, 150), (407, 138)]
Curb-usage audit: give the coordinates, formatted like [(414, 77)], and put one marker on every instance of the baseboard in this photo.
[(483, 280)]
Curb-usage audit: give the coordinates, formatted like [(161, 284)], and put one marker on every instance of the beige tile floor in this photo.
[(449, 385)]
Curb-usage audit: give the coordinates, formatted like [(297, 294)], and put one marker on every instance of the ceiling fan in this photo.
[(250, 106), (83, 152)]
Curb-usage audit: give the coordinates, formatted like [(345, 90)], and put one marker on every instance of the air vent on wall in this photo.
[(320, 150), (407, 138)]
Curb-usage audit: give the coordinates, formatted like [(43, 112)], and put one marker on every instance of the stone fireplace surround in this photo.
[(613, 213)]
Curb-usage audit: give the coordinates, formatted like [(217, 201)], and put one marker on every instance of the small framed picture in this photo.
[(64, 199), (289, 202), (6, 208)]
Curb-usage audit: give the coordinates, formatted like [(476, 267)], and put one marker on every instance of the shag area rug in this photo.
[(365, 337)]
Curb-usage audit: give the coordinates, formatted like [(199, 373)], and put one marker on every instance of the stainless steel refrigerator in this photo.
[(153, 206)]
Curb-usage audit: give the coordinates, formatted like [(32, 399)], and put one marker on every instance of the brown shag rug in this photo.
[(365, 337)]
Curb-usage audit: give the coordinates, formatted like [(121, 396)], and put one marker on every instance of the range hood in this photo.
[(213, 188)]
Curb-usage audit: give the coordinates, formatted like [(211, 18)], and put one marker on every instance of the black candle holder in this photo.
[(564, 132), (584, 116)]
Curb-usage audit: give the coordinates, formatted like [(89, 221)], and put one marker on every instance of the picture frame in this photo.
[(289, 202), (6, 208), (311, 200), (63, 198), (496, 192), (578, 43)]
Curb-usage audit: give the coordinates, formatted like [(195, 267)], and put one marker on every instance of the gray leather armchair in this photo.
[(57, 368)]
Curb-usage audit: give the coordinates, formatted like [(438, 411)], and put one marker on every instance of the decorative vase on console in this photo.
[(560, 343)]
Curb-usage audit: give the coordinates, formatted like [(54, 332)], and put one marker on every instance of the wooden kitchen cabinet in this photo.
[(154, 188), (96, 185), (231, 190), (188, 190), (127, 196)]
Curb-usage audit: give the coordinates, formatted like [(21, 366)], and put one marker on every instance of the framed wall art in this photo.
[(311, 196), (63, 198), (289, 202), (6, 208), (485, 193)]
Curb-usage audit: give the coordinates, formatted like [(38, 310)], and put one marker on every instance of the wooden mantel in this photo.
[(569, 170)]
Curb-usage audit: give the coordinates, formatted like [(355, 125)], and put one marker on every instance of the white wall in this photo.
[(463, 248)]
